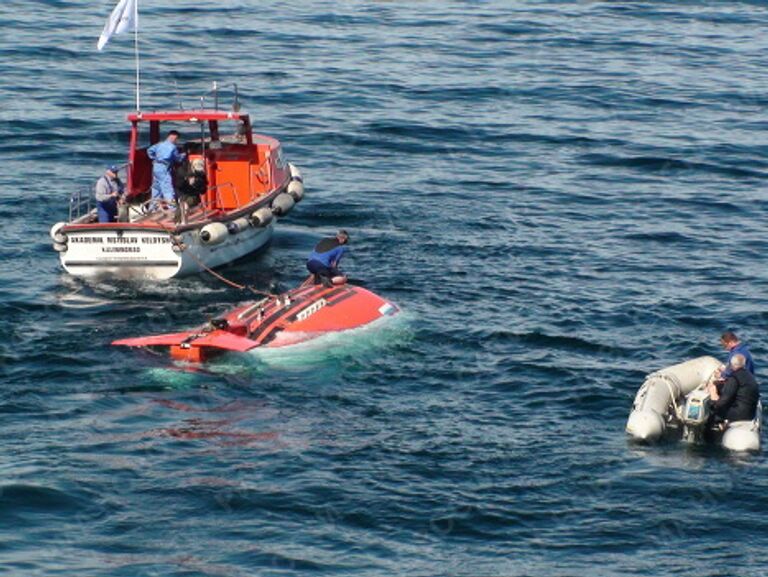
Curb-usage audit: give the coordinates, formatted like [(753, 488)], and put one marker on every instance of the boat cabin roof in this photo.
[(188, 116), (240, 167)]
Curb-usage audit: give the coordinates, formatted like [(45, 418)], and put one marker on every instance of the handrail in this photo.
[(268, 178), (218, 197), (76, 203)]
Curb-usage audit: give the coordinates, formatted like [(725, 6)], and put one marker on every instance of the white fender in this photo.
[(56, 234), (59, 247), (282, 204), (214, 233), (238, 225), (295, 172), (661, 390), (261, 217), (296, 190)]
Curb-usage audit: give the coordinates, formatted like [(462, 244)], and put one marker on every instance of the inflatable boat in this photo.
[(296, 316), (673, 403)]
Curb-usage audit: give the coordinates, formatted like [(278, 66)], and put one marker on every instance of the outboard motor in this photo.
[(696, 415)]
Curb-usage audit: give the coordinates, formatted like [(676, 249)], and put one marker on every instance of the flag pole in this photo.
[(136, 52)]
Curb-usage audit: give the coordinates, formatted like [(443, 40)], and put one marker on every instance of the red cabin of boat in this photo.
[(240, 167), (229, 214)]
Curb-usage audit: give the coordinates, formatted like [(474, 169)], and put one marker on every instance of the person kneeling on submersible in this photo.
[(324, 260), (736, 398)]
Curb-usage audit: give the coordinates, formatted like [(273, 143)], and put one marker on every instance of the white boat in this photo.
[(673, 403), (248, 185)]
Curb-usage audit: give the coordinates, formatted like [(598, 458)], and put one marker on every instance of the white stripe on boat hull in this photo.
[(144, 254)]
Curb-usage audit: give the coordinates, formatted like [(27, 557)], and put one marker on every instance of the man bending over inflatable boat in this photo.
[(324, 260), (736, 398), (734, 346)]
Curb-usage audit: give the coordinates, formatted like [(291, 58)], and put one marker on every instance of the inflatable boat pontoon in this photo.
[(674, 403)]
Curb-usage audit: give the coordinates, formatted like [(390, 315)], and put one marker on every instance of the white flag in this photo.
[(123, 18)]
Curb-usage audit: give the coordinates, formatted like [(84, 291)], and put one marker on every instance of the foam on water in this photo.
[(375, 338)]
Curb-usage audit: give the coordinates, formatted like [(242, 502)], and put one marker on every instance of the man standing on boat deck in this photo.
[(108, 191), (324, 260), (734, 346), (164, 156)]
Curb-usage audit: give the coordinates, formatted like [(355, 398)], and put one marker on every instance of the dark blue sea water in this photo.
[(562, 196)]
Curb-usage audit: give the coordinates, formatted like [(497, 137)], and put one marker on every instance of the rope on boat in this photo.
[(207, 269), (671, 380), (231, 283)]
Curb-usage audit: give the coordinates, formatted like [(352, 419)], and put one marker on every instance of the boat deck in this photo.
[(195, 215)]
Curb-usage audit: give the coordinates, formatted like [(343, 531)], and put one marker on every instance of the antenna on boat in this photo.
[(178, 94), (236, 103), (136, 51), (215, 91), (202, 138)]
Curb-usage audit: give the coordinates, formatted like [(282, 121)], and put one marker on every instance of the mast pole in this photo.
[(136, 53)]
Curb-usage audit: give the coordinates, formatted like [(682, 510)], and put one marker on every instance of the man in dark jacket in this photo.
[(324, 260), (736, 399), (190, 188)]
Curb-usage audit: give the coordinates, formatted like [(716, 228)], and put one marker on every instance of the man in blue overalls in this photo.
[(164, 156)]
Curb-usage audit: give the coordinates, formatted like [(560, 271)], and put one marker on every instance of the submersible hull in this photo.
[(296, 316)]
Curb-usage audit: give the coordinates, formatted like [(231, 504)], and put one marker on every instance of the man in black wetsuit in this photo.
[(324, 260), (736, 399)]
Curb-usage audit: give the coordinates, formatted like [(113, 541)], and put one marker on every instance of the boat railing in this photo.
[(264, 175), (79, 203), (234, 191), (217, 192)]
